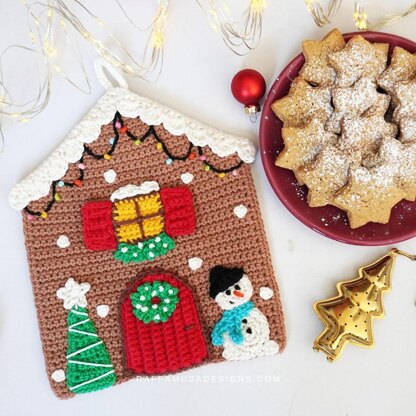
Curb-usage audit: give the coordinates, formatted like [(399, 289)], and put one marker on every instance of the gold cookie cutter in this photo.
[(348, 317)]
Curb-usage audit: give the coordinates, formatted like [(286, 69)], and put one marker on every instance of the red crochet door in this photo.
[(165, 342)]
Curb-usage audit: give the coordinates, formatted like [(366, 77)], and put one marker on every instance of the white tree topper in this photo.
[(73, 294)]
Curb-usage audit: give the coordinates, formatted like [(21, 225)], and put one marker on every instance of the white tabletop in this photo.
[(196, 80)]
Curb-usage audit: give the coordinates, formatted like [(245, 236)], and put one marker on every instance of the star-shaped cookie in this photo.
[(303, 103), (302, 144), (401, 161), (406, 96), (369, 195), (359, 58), (317, 69), (351, 102), (401, 68), (364, 134), (325, 175)]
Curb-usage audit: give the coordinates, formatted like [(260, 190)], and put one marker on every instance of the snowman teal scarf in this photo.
[(230, 324)]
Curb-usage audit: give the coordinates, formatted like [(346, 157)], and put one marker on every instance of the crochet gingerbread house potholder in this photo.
[(146, 244)]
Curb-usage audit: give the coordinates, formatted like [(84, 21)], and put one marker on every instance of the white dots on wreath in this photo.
[(58, 375), (110, 176), (195, 263), (240, 211), (103, 310), (266, 293), (187, 178), (63, 241)]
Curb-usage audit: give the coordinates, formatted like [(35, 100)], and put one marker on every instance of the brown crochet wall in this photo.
[(220, 239)]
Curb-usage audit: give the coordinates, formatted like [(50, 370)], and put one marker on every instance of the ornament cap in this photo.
[(252, 109)]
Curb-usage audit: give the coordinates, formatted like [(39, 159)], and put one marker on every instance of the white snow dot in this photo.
[(145, 309), (151, 254), (154, 306), (187, 178), (157, 239), (167, 300), (124, 250), (165, 245), (134, 254), (154, 293), (63, 241), (138, 306), (151, 245), (161, 289), (103, 310), (157, 317), (165, 309), (142, 298), (266, 293), (140, 245), (195, 263), (58, 375), (170, 291), (110, 176), (240, 211)]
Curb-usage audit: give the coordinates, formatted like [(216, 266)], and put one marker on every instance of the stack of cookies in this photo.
[(350, 126)]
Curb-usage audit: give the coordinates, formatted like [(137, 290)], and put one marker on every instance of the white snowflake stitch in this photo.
[(73, 294)]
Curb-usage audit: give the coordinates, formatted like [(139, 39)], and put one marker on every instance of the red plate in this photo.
[(329, 221)]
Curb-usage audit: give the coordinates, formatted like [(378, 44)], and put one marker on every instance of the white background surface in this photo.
[(195, 80)]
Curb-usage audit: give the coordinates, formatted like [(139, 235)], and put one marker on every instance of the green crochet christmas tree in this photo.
[(89, 365)]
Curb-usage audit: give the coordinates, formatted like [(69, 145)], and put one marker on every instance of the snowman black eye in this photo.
[(236, 287), (228, 292)]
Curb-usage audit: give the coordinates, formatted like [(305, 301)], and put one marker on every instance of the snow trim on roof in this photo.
[(37, 184)]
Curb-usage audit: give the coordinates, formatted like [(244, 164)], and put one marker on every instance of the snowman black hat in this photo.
[(221, 278)]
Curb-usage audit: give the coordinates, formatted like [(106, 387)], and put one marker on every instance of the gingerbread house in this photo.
[(146, 245)]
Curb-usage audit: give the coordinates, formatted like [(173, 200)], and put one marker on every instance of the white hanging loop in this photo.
[(103, 69)]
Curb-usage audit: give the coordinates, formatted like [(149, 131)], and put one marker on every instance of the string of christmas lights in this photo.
[(193, 153)]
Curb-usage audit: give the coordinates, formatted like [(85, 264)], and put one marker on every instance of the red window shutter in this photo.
[(179, 211), (97, 226)]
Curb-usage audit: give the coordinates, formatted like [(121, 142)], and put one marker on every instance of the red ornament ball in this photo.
[(248, 87)]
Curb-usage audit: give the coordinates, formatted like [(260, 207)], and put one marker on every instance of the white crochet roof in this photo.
[(37, 184)]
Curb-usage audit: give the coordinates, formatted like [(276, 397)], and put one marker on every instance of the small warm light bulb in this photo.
[(258, 5), (158, 39)]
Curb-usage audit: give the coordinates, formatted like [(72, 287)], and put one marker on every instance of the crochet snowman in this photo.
[(243, 330)]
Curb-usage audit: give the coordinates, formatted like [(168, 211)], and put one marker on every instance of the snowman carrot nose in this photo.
[(238, 294)]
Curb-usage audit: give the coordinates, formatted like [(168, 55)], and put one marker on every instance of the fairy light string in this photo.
[(47, 21), (324, 16), (193, 153), (241, 35)]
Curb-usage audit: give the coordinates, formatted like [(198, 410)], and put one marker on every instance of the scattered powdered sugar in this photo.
[(408, 129), (305, 102), (351, 102), (406, 93), (378, 177), (359, 58)]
